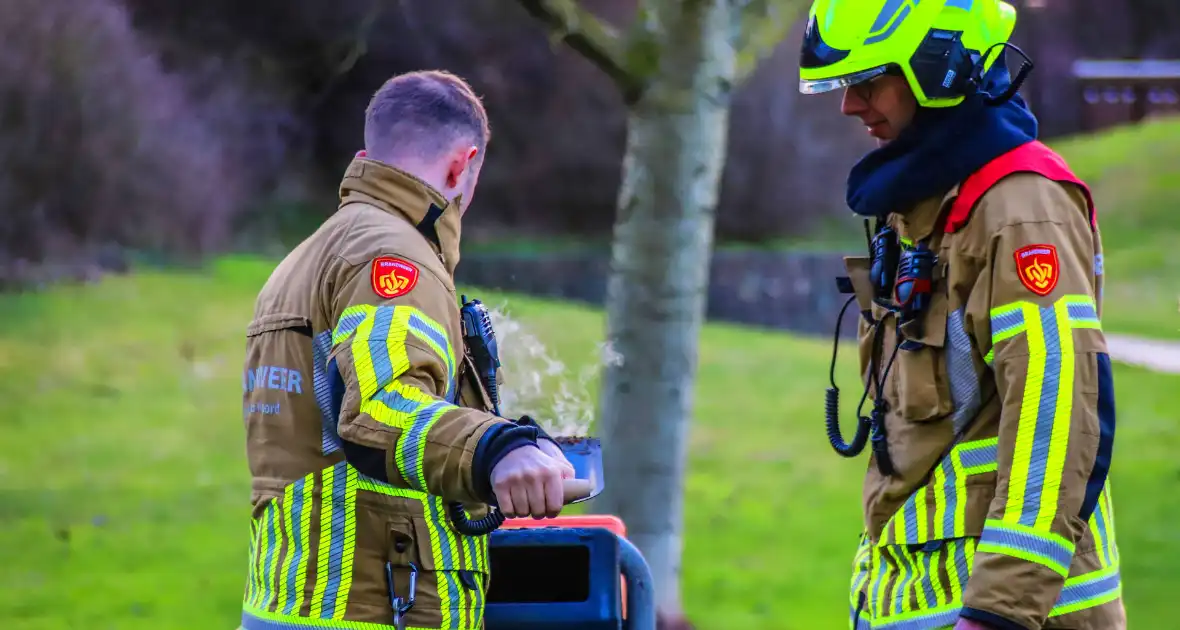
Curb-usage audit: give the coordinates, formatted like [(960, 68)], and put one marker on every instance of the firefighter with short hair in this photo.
[(369, 433), (988, 402)]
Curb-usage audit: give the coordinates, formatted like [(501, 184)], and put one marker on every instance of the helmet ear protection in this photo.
[(945, 69)]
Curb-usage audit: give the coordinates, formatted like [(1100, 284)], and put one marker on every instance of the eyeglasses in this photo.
[(864, 90)]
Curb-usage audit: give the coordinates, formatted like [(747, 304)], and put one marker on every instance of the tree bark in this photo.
[(663, 237)]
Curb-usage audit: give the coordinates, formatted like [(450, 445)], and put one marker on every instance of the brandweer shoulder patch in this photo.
[(393, 277), (1038, 268)]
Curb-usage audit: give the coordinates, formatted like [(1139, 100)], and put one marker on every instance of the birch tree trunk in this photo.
[(656, 296), (676, 70)]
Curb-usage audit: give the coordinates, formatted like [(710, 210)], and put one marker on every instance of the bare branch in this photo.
[(764, 25), (358, 47), (590, 37)]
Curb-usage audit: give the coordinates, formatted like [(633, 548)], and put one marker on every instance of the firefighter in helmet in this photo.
[(988, 402)]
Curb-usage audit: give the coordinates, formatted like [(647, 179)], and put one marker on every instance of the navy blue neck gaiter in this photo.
[(940, 149)]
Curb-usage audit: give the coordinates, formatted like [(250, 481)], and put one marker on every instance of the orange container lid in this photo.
[(608, 522)]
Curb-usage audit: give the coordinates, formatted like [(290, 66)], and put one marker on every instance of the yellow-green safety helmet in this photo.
[(936, 44)]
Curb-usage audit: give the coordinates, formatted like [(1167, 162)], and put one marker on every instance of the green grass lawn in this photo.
[(1135, 174), (123, 487)]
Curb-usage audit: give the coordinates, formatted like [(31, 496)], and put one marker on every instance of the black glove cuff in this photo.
[(527, 421)]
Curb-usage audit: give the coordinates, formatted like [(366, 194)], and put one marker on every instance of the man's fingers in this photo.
[(554, 499), (520, 499), (537, 494), (504, 498)]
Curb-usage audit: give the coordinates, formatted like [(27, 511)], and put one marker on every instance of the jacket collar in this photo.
[(921, 221), (401, 194)]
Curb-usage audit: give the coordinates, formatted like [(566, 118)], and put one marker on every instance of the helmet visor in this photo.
[(819, 86)]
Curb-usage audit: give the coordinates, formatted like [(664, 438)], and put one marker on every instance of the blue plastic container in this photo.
[(553, 577)]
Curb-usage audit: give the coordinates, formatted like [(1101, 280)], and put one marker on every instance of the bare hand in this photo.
[(969, 624), (528, 482), (550, 448)]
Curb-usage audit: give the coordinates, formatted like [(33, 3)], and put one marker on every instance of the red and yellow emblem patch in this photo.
[(1038, 268), (393, 277)]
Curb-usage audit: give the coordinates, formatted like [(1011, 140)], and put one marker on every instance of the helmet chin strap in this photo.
[(975, 82)]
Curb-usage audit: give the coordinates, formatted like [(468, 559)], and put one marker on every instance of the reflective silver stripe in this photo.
[(250, 622), (321, 347), (965, 392)]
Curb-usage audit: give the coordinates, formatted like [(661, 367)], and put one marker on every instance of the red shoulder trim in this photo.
[(1032, 157)]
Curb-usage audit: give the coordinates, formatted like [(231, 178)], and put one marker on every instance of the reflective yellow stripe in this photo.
[(252, 574), (1007, 321), (327, 624), (447, 551), (895, 579), (878, 578), (338, 487), (1111, 538), (471, 547), (911, 523), (1082, 311), (969, 550), (444, 590), (1099, 549), (276, 549), (960, 495), (349, 551), (434, 335), (453, 547), (938, 484), (1029, 544), (899, 532), (1059, 441), (1103, 530), (905, 580), (1024, 530), (289, 545), (921, 579), (266, 545), (895, 572), (380, 357), (349, 320), (1088, 590), (941, 596), (325, 542), (305, 543), (923, 532), (1027, 423), (862, 567), (372, 485), (952, 570)]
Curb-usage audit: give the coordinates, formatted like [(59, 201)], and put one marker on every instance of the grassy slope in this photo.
[(1135, 174), (123, 485)]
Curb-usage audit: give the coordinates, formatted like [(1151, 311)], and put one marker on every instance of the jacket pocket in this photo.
[(920, 384), (278, 360), (470, 385), (452, 578), (279, 321), (919, 580), (441, 548)]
